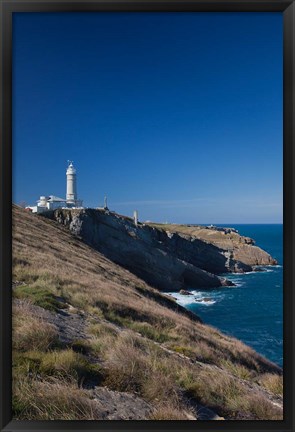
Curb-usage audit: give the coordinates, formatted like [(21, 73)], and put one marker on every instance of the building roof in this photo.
[(52, 198)]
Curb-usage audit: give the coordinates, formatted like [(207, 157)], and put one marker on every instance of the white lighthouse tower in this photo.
[(71, 197), (52, 202)]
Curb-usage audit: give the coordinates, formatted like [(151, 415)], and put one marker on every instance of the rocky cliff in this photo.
[(240, 251), (168, 260)]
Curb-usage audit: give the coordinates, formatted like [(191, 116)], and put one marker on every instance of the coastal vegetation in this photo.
[(93, 341)]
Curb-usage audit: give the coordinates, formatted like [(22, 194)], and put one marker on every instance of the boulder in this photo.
[(185, 292)]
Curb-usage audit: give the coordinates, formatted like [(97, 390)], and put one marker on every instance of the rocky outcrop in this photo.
[(240, 252), (167, 260), (142, 250)]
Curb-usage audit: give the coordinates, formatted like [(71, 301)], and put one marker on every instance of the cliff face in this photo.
[(241, 252), (167, 260)]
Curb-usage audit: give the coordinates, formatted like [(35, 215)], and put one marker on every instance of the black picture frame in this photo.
[(7, 8)]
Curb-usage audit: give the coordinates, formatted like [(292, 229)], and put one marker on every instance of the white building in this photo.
[(71, 184), (71, 195), (53, 202)]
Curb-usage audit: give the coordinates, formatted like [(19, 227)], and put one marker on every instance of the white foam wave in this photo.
[(195, 298), (252, 272), (205, 302), (262, 270), (237, 281), (239, 284), (183, 300), (266, 269)]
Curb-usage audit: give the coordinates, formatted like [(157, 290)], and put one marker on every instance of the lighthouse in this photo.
[(53, 202), (71, 197)]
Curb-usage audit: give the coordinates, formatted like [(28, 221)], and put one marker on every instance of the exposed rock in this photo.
[(145, 251), (226, 282), (252, 255), (184, 292), (116, 405), (240, 252), (257, 269), (206, 299), (70, 326), (167, 259)]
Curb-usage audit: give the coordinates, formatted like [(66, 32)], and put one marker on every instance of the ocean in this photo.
[(252, 311)]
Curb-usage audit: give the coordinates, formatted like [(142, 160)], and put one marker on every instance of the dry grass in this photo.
[(89, 281), (102, 329), (272, 382), (127, 365), (200, 232), (134, 364), (31, 332), (171, 412), (52, 399), (103, 336), (227, 395), (261, 408), (125, 307), (238, 370)]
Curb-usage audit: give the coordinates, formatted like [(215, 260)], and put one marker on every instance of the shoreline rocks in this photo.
[(185, 292)]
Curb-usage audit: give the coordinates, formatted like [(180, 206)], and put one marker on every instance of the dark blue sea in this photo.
[(253, 310)]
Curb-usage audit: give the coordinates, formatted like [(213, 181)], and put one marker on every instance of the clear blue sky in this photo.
[(176, 115)]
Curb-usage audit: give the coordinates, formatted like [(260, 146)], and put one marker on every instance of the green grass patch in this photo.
[(58, 363), (39, 296), (150, 332), (102, 329), (24, 364), (147, 326), (238, 370), (185, 350)]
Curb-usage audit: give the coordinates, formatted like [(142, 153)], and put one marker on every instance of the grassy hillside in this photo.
[(92, 341)]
